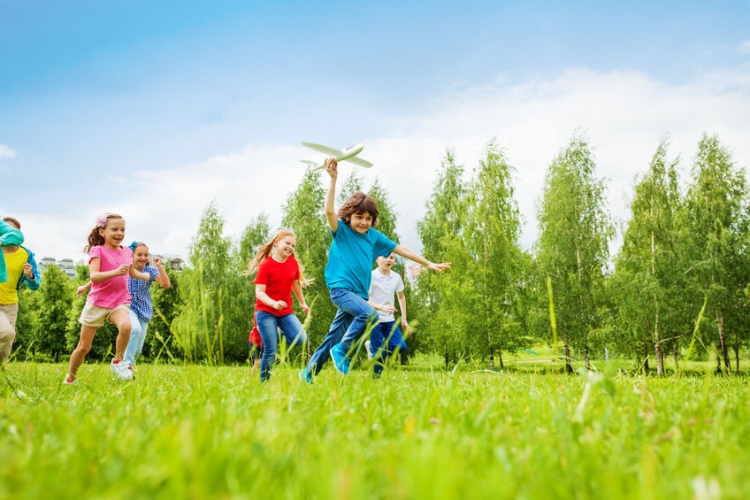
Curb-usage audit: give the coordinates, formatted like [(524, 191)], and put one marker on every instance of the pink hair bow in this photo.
[(101, 220)]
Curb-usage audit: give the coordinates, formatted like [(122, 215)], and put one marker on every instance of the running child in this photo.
[(256, 345), (356, 245), (141, 309), (279, 274), (386, 284), (20, 267), (109, 266)]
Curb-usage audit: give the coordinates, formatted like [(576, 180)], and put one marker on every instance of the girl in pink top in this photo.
[(109, 266)]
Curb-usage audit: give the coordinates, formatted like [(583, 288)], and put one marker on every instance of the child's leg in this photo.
[(376, 346), (292, 330), (268, 327), (8, 315), (121, 319), (363, 315), (340, 323), (82, 349), (136, 338), (396, 340)]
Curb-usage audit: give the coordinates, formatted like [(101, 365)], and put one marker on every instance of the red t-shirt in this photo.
[(278, 278)]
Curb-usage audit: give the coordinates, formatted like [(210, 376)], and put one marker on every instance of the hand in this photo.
[(406, 328), (81, 289), (27, 271), (305, 308), (157, 261), (332, 167), (388, 309), (279, 305), (439, 267), (122, 270)]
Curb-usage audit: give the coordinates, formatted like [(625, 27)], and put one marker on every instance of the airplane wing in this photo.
[(315, 166), (359, 162), (322, 149)]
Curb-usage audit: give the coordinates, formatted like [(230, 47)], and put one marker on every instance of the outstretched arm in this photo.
[(332, 169), (408, 254), (82, 289)]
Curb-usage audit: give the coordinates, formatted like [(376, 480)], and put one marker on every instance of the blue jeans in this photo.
[(350, 323), (269, 326), (389, 331), (138, 329)]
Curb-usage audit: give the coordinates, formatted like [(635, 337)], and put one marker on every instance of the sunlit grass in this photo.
[(216, 432)]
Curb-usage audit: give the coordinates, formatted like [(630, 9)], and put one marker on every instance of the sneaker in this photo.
[(306, 375), (340, 361), (70, 380), (132, 372), (369, 350), (121, 370)]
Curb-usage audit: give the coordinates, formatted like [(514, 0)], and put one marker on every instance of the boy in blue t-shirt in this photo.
[(355, 247)]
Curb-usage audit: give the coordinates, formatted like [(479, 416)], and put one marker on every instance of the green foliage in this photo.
[(573, 244), (56, 295)]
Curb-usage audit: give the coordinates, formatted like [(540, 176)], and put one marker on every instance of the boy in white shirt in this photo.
[(386, 337)]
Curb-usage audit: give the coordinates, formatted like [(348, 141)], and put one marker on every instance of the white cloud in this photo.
[(623, 114), (744, 47), (7, 152)]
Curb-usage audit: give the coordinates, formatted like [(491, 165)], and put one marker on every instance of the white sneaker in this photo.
[(121, 370), (369, 351)]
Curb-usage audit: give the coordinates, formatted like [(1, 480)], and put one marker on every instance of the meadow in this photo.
[(187, 431)]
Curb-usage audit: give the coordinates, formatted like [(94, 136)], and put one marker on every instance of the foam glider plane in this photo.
[(349, 154)]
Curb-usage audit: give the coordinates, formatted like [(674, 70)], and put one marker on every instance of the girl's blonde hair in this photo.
[(96, 239), (264, 251)]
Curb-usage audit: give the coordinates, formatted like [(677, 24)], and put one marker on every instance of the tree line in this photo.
[(678, 286)]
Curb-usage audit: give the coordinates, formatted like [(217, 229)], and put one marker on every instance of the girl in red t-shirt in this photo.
[(279, 274)]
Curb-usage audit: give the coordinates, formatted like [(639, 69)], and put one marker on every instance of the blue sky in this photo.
[(154, 109)]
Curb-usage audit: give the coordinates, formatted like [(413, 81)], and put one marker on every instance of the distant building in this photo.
[(68, 266)]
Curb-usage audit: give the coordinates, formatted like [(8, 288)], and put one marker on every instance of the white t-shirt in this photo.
[(383, 291)]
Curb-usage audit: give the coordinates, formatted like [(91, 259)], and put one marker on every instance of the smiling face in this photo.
[(361, 222), (113, 233), (140, 257), (285, 247), (386, 263)]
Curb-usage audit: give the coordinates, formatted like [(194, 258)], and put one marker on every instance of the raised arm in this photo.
[(163, 278), (134, 273), (332, 169), (98, 276), (408, 254), (9, 236)]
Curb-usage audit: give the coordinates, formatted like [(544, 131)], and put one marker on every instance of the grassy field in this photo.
[(206, 432)]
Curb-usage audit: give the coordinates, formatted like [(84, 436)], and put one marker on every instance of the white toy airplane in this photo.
[(348, 154)]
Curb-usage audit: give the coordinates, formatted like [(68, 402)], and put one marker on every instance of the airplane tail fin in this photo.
[(313, 165)]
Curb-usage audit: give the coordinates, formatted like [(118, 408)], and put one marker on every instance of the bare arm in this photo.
[(332, 169), (163, 278), (260, 294), (99, 276), (81, 289), (382, 307), (297, 289), (402, 303), (408, 254), (134, 273)]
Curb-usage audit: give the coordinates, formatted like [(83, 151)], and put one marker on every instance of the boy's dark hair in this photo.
[(13, 221), (358, 203)]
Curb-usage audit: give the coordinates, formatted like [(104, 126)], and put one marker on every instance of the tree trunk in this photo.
[(674, 353), (568, 366), (645, 361), (500, 358), (659, 360), (737, 351), (587, 358), (447, 360), (723, 341), (492, 360)]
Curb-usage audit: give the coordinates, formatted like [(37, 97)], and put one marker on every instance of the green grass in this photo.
[(207, 432)]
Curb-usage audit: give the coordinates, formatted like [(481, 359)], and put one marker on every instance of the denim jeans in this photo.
[(350, 323), (389, 331), (269, 326), (138, 329)]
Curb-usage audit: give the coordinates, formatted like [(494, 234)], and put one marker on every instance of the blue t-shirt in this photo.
[(351, 257), (140, 291)]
